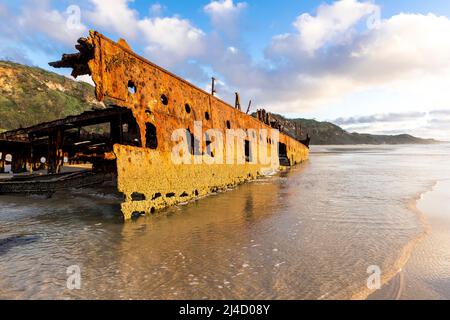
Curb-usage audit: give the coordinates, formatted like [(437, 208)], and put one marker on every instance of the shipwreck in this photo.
[(131, 141)]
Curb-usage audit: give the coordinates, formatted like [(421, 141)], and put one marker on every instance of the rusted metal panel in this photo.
[(167, 102)]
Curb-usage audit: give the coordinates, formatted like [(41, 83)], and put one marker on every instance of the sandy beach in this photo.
[(426, 275)]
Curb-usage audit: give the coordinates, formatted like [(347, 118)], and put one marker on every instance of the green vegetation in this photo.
[(30, 95)]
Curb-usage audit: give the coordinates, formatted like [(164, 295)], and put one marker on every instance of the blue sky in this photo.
[(371, 66)]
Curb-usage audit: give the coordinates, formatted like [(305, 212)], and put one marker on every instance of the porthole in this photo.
[(164, 100), (131, 87)]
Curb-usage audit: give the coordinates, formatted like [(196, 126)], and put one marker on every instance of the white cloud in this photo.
[(224, 14), (332, 23), (166, 40), (115, 16), (407, 55), (380, 118), (424, 125), (64, 27), (171, 40), (156, 9)]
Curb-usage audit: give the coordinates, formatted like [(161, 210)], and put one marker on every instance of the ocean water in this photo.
[(308, 233)]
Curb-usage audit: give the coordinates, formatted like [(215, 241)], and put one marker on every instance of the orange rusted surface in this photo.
[(167, 102)]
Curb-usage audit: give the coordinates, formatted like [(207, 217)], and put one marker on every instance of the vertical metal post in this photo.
[(249, 106), (55, 152), (31, 154), (237, 103), (213, 86)]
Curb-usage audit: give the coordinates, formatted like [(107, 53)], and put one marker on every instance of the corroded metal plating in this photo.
[(147, 176)]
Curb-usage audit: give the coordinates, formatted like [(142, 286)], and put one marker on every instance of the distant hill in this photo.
[(326, 133), (30, 95)]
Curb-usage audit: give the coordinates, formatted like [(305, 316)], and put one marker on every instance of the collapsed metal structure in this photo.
[(68, 140), (135, 142), (43, 150)]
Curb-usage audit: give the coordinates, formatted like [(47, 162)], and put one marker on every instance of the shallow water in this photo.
[(309, 233), (427, 273)]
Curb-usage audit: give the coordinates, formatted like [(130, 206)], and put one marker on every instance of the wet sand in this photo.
[(426, 274), (307, 233)]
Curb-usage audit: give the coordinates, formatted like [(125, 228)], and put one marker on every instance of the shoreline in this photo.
[(393, 282), (427, 273), (424, 275)]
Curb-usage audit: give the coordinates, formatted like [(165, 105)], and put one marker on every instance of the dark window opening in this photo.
[(207, 115), (282, 155), (187, 107), (228, 124), (194, 144), (164, 100), (150, 136), (170, 195), (208, 143), (282, 149), (248, 153), (131, 87), (208, 148), (131, 135)]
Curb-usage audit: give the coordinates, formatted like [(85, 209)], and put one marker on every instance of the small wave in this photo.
[(399, 264)]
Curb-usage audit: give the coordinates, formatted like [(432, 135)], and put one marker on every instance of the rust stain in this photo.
[(161, 100)]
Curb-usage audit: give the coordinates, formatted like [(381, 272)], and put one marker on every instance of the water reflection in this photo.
[(307, 233)]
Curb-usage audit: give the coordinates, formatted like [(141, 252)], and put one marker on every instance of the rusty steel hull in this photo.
[(147, 176)]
